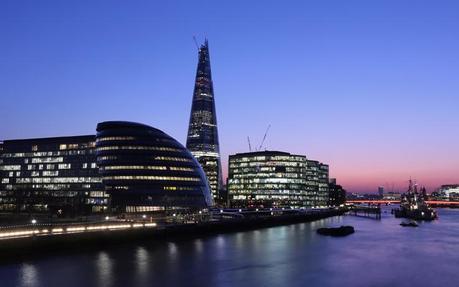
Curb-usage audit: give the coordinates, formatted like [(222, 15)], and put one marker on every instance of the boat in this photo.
[(336, 231), (409, 224), (413, 205)]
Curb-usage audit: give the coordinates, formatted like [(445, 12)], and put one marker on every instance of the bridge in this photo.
[(384, 201)]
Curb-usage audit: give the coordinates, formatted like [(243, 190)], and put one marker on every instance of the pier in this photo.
[(366, 211)]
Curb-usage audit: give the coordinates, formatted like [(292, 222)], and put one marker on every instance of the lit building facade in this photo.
[(276, 179), (448, 192), (144, 169), (57, 176), (317, 183), (202, 139)]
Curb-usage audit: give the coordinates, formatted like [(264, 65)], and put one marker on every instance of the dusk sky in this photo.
[(369, 87)]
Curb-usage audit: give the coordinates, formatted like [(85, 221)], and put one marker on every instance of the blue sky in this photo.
[(370, 87)]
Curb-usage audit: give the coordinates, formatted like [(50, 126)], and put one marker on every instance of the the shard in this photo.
[(202, 138)]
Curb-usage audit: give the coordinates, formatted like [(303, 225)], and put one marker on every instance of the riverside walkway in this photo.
[(23, 241)]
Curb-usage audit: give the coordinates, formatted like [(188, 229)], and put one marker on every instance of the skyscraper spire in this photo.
[(202, 138)]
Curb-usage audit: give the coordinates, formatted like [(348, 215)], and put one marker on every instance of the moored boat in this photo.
[(413, 205)]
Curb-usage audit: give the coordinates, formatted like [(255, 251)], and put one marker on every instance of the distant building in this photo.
[(337, 194), (381, 191), (56, 176), (392, 195), (202, 139), (364, 196), (448, 192), (276, 179), (143, 169)]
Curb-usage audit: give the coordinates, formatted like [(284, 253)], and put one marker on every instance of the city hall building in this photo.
[(144, 169), (58, 176), (276, 179)]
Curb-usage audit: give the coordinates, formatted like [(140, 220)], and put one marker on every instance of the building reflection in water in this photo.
[(29, 276), (104, 266)]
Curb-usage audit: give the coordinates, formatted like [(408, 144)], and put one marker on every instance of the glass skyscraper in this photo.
[(202, 138)]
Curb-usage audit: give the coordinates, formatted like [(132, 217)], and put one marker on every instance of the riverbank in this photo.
[(20, 249)]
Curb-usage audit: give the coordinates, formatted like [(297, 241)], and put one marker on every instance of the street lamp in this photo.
[(34, 221)]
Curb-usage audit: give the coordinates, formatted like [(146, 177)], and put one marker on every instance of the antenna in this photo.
[(264, 137), (250, 146), (196, 42)]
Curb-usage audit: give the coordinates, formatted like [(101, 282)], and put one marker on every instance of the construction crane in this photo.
[(250, 146), (264, 138), (196, 42)]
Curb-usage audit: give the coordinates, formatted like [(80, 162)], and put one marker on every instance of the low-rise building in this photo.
[(58, 176)]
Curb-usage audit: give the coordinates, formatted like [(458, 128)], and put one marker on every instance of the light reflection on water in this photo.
[(29, 276), (380, 253), (104, 266)]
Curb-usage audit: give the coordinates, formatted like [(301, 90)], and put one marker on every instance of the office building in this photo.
[(144, 169), (317, 183), (337, 194), (202, 139), (276, 179), (56, 176)]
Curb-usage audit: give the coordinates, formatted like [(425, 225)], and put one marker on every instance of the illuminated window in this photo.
[(64, 166)]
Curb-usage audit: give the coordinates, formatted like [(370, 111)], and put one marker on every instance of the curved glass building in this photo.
[(144, 169)]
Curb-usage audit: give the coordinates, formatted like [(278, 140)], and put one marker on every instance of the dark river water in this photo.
[(380, 253)]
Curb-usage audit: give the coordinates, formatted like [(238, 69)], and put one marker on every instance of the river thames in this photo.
[(379, 253)]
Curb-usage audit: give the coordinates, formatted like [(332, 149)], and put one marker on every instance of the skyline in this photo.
[(369, 89)]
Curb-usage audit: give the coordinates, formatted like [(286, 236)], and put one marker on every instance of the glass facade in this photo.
[(144, 169), (317, 183), (202, 138), (58, 176), (276, 179)]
